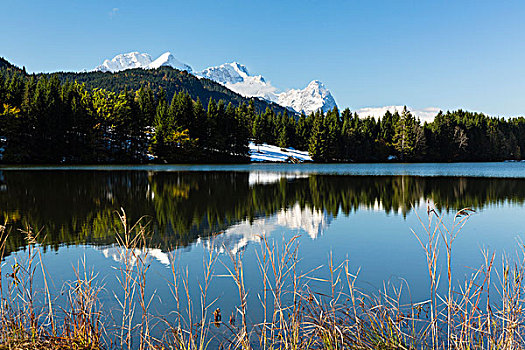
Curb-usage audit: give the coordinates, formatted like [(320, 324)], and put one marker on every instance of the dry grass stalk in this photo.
[(300, 309)]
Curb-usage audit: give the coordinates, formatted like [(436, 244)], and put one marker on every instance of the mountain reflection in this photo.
[(118, 254), (236, 237), (79, 207), (301, 220)]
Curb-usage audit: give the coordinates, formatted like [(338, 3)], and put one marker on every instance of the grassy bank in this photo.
[(483, 312)]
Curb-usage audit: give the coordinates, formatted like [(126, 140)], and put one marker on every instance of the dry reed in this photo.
[(300, 309)]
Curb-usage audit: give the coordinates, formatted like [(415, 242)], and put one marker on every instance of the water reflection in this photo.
[(296, 219), (265, 177), (118, 254), (78, 207), (236, 237)]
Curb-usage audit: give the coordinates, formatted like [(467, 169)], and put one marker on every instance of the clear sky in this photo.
[(447, 54)]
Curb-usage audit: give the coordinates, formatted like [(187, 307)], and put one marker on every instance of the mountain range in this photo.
[(141, 60), (230, 82), (235, 77), (109, 76)]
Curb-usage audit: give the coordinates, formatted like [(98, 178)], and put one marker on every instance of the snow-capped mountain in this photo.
[(235, 77), (167, 59), (228, 73), (141, 60), (125, 61), (312, 98)]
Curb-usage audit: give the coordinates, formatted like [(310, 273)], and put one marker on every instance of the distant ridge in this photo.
[(133, 60), (235, 77), (5, 64), (171, 80)]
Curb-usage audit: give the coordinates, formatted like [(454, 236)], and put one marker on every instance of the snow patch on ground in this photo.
[(269, 153)]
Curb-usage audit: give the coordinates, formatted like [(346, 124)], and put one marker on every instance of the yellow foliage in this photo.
[(179, 137), (10, 110), (12, 216), (181, 191)]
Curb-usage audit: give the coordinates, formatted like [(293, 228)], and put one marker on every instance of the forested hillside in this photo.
[(53, 119), (170, 80), (8, 66)]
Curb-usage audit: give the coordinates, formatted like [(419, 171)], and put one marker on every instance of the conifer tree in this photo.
[(284, 131), (405, 136), (258, 129), (199, 124), (317, 147)]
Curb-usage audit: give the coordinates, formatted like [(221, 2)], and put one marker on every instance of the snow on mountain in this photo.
[(141, 60), (425, 114), (167, 59), (310, 99), (125, 61), (236, 77), (228, 73)]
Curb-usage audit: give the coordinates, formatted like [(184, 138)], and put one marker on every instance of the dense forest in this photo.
[(170, 80), (129, 117)]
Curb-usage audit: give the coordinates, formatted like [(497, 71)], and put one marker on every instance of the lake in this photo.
[(362, 213)]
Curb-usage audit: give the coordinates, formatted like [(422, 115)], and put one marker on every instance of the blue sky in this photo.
[(448, 54)]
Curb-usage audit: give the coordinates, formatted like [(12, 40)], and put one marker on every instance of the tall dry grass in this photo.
[(318, 309), (31, 318)]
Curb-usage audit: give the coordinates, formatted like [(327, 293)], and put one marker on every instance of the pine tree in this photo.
[(161, 128), (199, 124), (333, 127), (283, 136), (317, 147), (241, 133), (258, 129), (213, 133), (406, 135)]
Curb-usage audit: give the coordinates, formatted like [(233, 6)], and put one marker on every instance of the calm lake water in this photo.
[(363, 213)]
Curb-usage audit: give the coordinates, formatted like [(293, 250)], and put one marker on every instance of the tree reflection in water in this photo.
[(78, 207)]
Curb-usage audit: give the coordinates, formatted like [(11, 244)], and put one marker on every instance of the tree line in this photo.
[(44, 120)]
